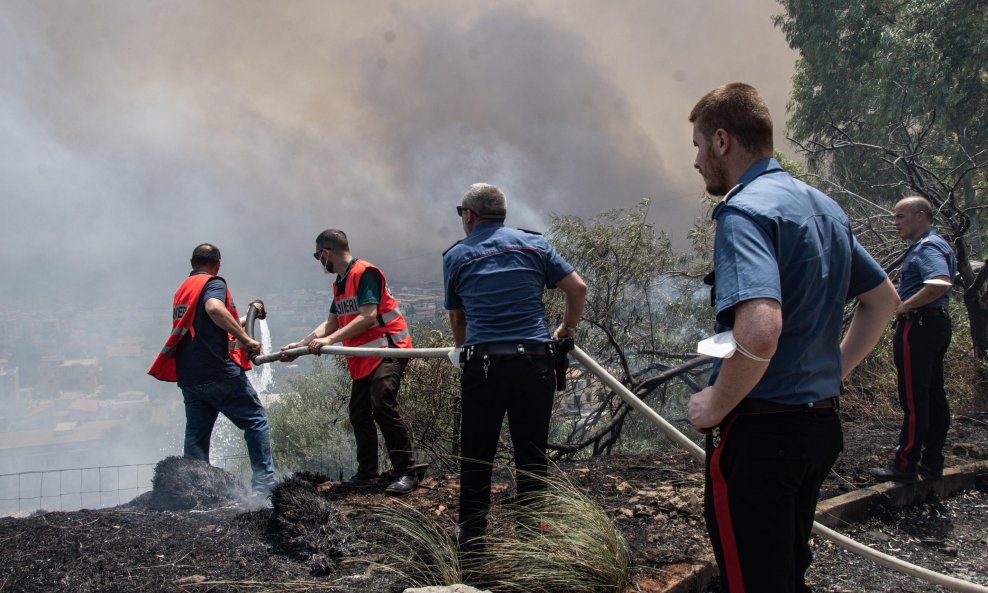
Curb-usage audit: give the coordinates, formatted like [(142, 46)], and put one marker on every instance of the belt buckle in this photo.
[(520, 348)]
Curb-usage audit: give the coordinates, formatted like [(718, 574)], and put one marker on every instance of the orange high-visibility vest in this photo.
[(183, 314), (391, 330)]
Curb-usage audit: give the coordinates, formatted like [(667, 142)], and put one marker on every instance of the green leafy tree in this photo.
[(890, 97), (644, 313)]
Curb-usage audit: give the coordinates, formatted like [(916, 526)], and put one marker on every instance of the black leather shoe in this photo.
[(890, 474), (928, 473), (362, 480), (402, 485)]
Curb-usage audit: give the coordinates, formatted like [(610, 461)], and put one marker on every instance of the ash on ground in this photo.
[(654, 499), (181, 484), (309, 527)]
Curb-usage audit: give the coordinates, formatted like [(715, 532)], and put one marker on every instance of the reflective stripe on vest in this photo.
[(185, 301), (377, 335)]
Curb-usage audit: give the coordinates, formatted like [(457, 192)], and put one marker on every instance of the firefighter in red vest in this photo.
[(208, 354), (363, 313)]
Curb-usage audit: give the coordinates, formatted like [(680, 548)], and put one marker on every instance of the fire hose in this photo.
[(659, 422)]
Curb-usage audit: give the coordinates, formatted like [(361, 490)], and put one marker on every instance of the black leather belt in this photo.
[(763, 406), (508, 349), (931, 311)]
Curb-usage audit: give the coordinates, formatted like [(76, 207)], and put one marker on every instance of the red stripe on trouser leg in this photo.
[(722, 508), (907, 377)]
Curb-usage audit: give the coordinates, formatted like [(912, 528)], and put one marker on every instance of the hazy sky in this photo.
[(130, 131)]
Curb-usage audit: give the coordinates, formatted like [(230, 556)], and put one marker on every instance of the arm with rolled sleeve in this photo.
[(877, 300), (748, 294), (932, 264), (215, 306), (453, 303), (575, 290), (560, 274), (757, 326)]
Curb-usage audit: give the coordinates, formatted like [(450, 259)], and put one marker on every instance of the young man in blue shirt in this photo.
[(785, 264)]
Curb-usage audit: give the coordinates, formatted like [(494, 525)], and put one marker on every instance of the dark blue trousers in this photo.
[(522, 387), (763, 478), (919, 347)]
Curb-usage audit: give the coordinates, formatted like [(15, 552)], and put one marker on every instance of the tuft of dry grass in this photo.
[(424, 554), (561, 541)]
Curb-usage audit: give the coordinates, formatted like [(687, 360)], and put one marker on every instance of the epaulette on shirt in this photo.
[(452, 246), (530, 232)]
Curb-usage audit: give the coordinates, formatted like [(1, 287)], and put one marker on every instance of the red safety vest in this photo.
[(390, 331), (183, 314)]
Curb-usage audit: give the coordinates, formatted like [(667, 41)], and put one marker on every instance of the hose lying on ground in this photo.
[(841, 540), (664, 426)]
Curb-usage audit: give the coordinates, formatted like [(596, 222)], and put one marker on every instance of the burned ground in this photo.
[(320, 536)]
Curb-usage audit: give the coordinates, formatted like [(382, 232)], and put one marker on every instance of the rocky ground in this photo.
[(195, 532)]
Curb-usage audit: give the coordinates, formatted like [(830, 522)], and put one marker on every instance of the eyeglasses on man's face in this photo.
[(461, 209), (318, 253)]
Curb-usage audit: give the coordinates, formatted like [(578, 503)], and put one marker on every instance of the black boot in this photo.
[(890, 474)]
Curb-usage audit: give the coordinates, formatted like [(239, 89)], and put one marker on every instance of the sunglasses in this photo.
[(318, 253), (461, 209)]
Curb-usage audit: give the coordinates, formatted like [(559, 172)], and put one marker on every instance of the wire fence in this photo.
[(72, 489), (101, 487)]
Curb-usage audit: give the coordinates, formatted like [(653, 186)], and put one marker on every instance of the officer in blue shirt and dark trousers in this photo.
[(922, 334), (785, 264), (494, 280)]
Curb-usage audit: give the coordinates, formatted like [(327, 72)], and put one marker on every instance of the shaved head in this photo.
[(917, 204)]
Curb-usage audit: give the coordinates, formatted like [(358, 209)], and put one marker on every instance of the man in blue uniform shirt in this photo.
[(922, 334), (494, 280), (785, 263)]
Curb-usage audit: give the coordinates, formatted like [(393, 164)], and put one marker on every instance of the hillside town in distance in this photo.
[(85, 400)]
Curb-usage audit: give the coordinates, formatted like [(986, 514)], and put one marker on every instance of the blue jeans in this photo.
[(236, 399)]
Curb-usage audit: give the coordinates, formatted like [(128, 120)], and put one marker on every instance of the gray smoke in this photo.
[(133, 131)]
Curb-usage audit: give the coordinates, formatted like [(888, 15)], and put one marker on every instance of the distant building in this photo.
[(125, 346), (125, 365), (79, 376)]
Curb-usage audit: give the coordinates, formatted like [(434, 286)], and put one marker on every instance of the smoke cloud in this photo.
[(133, 131)]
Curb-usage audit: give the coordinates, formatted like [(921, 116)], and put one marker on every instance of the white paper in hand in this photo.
[(454, 356), (720, 345)]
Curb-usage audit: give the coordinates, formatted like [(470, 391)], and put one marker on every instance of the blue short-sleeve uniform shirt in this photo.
[(497, 275), (930, 256), (781, 239)]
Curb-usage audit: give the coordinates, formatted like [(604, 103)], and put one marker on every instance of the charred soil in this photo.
[(198, 531)]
